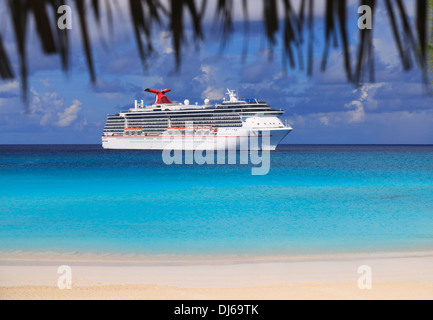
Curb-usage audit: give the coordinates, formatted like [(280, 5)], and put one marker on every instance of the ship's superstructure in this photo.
[(185, 126)]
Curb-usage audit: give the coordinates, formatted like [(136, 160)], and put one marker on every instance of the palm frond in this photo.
[(411, 40), (19, 10), (80, 4), (5, 65)]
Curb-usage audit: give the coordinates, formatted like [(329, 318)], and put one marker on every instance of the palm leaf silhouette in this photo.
[(410, 39), (429, 64)]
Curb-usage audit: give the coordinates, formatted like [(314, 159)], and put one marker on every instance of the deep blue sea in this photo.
[(315, 200)]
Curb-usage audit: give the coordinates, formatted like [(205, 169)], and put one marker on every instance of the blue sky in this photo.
[(324, 108)]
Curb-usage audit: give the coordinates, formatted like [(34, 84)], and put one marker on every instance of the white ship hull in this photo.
[(231, 125), (225, 139)]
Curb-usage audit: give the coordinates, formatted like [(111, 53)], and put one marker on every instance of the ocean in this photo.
[(315, 199)]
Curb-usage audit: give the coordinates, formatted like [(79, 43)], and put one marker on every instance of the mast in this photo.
[(232, 95)]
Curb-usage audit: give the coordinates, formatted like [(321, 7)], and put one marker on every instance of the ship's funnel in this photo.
[(161, 98)]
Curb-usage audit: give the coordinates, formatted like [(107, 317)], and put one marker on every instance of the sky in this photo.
[(65, 107)]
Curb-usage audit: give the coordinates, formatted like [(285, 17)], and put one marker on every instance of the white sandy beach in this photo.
[(393, 276)]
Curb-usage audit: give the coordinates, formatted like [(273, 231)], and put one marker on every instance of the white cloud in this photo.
[(69, 114), (366, 93), (213, 93), (357, 114), (210, 80), (8, 90), (9, 86), (324, 120), (387, 52), (49, 108), (205, 76)]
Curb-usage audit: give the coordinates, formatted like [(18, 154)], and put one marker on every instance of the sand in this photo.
[(394, 276)]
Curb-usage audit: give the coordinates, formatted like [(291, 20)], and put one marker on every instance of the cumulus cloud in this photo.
[(213, 93), (48, 108), (357, 112), (8, 90), (69, 114), (9, 86), (209, 80), (324, 120)]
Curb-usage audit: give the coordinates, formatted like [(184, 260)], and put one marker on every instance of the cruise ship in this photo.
[(165, 124)]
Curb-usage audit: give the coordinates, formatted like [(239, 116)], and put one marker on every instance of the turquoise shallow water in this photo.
[(315, 199)]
